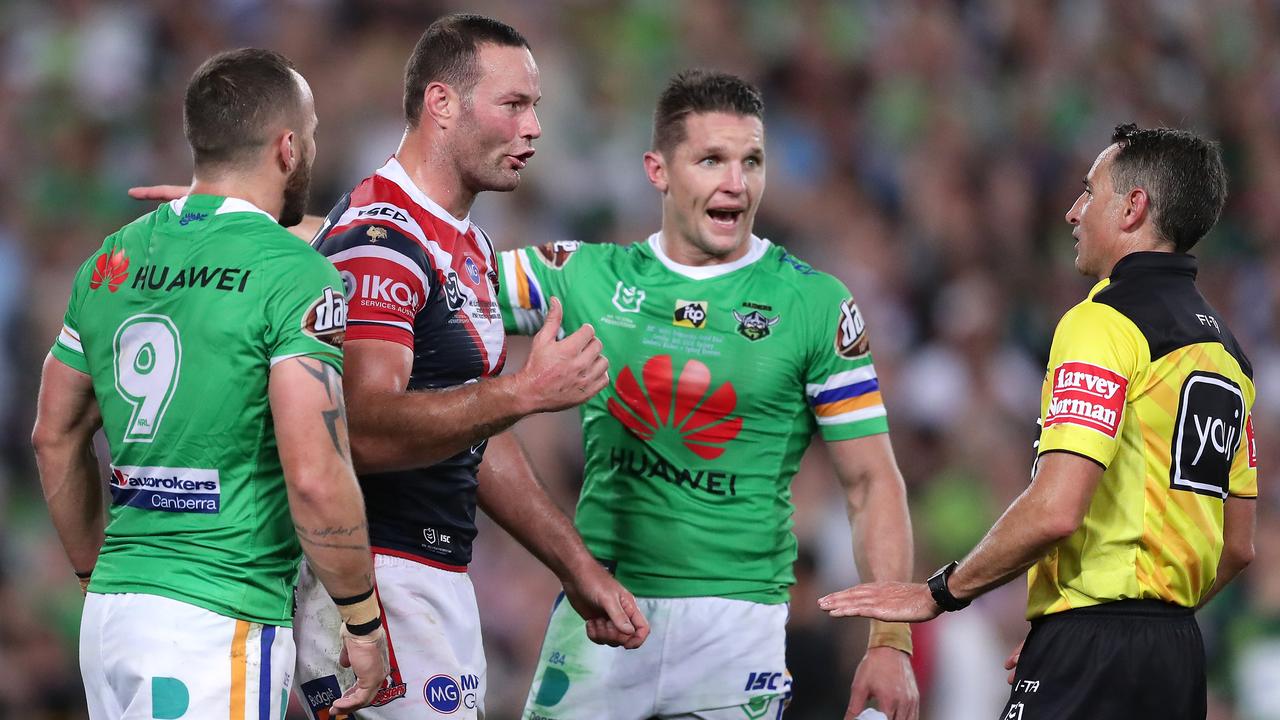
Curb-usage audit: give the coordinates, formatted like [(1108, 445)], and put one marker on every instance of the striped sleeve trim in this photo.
[(849, 396), (524, 292), (70, 340)]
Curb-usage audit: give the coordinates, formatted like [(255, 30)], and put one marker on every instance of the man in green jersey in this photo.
[(727, 354), (204, 340)]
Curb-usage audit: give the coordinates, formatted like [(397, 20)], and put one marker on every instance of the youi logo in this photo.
[(702, 419)]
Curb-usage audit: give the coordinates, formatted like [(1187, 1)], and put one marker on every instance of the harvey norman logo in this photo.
[(1087, 395), (187, 490)]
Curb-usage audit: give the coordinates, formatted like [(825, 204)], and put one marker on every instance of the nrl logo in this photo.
[(754, 325), (628, 299)]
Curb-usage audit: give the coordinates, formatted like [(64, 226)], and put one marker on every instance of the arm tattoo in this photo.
[(335, 416), (331, 537)]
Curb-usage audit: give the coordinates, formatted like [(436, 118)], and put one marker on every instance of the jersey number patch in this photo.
[(1206, 434), (147, 357)]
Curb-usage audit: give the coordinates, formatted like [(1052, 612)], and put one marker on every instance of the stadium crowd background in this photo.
[(923, 151)]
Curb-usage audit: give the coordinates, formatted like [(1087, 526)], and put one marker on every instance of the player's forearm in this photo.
[(510, 493), (329, 518), (69, 478), (881, 525), (406, 430)]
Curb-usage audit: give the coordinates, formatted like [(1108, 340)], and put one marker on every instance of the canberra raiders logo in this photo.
[(754, 325)]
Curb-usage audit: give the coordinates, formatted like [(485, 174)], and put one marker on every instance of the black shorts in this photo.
[(1124, 660)]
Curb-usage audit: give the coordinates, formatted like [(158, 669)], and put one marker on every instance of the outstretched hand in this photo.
[(159, 193), (887, 601)]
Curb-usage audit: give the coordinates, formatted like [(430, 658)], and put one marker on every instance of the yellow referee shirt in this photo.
[(1145, 380)]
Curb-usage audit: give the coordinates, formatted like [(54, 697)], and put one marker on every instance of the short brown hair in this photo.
[(233, 102), (1182, 173), (446, 53), (701, 91)]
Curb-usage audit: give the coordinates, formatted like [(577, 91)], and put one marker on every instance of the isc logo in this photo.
[(764, 681)]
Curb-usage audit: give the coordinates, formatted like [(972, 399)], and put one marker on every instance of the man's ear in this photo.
[(655, 167), (1136, 210), (287, 152), (440, 104)]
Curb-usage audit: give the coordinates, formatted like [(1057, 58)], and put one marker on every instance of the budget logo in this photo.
[(1087, 395), (628, 299), (1207, 434), (690, 313), (320, 695), (701, 418), (110, 268)]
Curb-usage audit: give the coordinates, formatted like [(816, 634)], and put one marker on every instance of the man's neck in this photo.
[(434, 173), (263, 195)]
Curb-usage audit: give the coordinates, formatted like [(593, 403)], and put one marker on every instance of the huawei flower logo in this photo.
[(111, 268), (704, 424)]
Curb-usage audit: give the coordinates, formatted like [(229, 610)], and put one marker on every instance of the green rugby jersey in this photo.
[(720, 375), (178, 319)]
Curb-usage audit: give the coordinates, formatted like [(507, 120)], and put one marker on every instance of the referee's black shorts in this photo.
[(1124, 660)]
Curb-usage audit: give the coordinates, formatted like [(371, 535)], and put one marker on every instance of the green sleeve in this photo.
[(840, 379), (67, 347), (529, 277), (306, 310)]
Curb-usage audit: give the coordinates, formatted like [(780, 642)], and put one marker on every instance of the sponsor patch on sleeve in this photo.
[(326, 319), (557, 254), (1252, 449), (851, 332), (1087, 395)]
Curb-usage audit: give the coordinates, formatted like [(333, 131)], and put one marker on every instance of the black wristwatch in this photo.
[(941, 593)]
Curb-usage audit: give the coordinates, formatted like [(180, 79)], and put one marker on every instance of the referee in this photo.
[(1141, 505)]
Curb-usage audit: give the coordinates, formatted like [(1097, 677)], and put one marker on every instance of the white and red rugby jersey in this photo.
[(418, 276)]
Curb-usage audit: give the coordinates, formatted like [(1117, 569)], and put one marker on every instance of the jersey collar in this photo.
[(395, 172), (1155, 262), (228, 205), (703, 272)]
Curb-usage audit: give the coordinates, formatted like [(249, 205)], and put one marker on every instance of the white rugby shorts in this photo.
[(708, 658), (146, 657), (433, 629)]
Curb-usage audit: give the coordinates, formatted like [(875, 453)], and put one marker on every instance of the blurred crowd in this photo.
[(924, 151)]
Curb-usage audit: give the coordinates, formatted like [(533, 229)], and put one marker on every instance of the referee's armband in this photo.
[(360, 613)]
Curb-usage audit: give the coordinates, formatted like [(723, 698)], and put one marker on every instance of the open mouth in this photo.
[(726, 218), (519, 161)]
